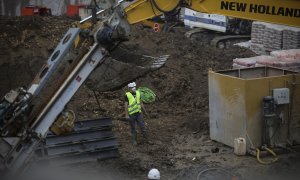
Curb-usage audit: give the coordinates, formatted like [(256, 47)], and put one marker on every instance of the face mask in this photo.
[(133, 89)]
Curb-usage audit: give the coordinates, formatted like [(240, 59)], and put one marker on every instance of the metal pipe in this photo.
[(101, 11)]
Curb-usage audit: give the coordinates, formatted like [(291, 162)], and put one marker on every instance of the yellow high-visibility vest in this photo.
[(134, 105)]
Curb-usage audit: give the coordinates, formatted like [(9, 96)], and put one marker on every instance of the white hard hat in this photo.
[(154, 174), (132, 85)]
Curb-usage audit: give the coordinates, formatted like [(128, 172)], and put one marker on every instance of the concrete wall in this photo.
[(58, 7)]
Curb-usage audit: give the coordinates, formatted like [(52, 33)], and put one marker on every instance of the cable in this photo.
[(265, 162), (96, 4), (152, 8), (147, 95)]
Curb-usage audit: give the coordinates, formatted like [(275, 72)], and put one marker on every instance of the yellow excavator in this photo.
[(274, 11), (285, 12), (26, 115)]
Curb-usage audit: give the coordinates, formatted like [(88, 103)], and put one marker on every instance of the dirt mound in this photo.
[(26, 43), (182, 83), (178, 120)]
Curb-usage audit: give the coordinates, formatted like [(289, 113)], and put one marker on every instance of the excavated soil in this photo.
[(26, 43), (177, 121)]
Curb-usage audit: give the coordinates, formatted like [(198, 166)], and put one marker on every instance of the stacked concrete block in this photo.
[(272, 39), (266, 37), (257, 32), (257, 37), (291, 38), (258, 49)]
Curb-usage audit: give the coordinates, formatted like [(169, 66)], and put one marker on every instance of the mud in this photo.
[(26, 43), (177, 122)]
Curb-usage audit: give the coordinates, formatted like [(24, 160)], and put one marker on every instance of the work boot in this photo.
[(134, 139)]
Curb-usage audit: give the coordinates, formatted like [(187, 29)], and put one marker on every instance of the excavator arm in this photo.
[(27, 114), (286, 12)]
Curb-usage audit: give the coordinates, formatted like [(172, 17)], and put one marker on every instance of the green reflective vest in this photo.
[(134, 105)]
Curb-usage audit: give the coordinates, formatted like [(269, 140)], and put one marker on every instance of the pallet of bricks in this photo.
[(285, 59), (266, 37)]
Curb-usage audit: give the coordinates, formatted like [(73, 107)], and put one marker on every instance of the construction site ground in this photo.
[(178, 121)]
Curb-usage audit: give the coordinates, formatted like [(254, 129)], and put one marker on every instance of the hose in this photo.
[(265, 162), (147, 95)]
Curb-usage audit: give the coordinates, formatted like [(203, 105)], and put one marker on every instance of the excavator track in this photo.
[(220, 41), (190, 33)]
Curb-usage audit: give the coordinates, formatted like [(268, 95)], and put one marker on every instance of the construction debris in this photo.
[(291, 38)]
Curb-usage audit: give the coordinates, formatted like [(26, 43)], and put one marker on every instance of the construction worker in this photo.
[(133, 112), (154, 174)]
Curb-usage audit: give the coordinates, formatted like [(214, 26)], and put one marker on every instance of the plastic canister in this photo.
[(240, 146)]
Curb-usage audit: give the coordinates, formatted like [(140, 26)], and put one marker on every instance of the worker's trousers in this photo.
[(137, 119)]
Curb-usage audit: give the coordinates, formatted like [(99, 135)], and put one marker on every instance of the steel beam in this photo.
[(77, 137), (80, 147)]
